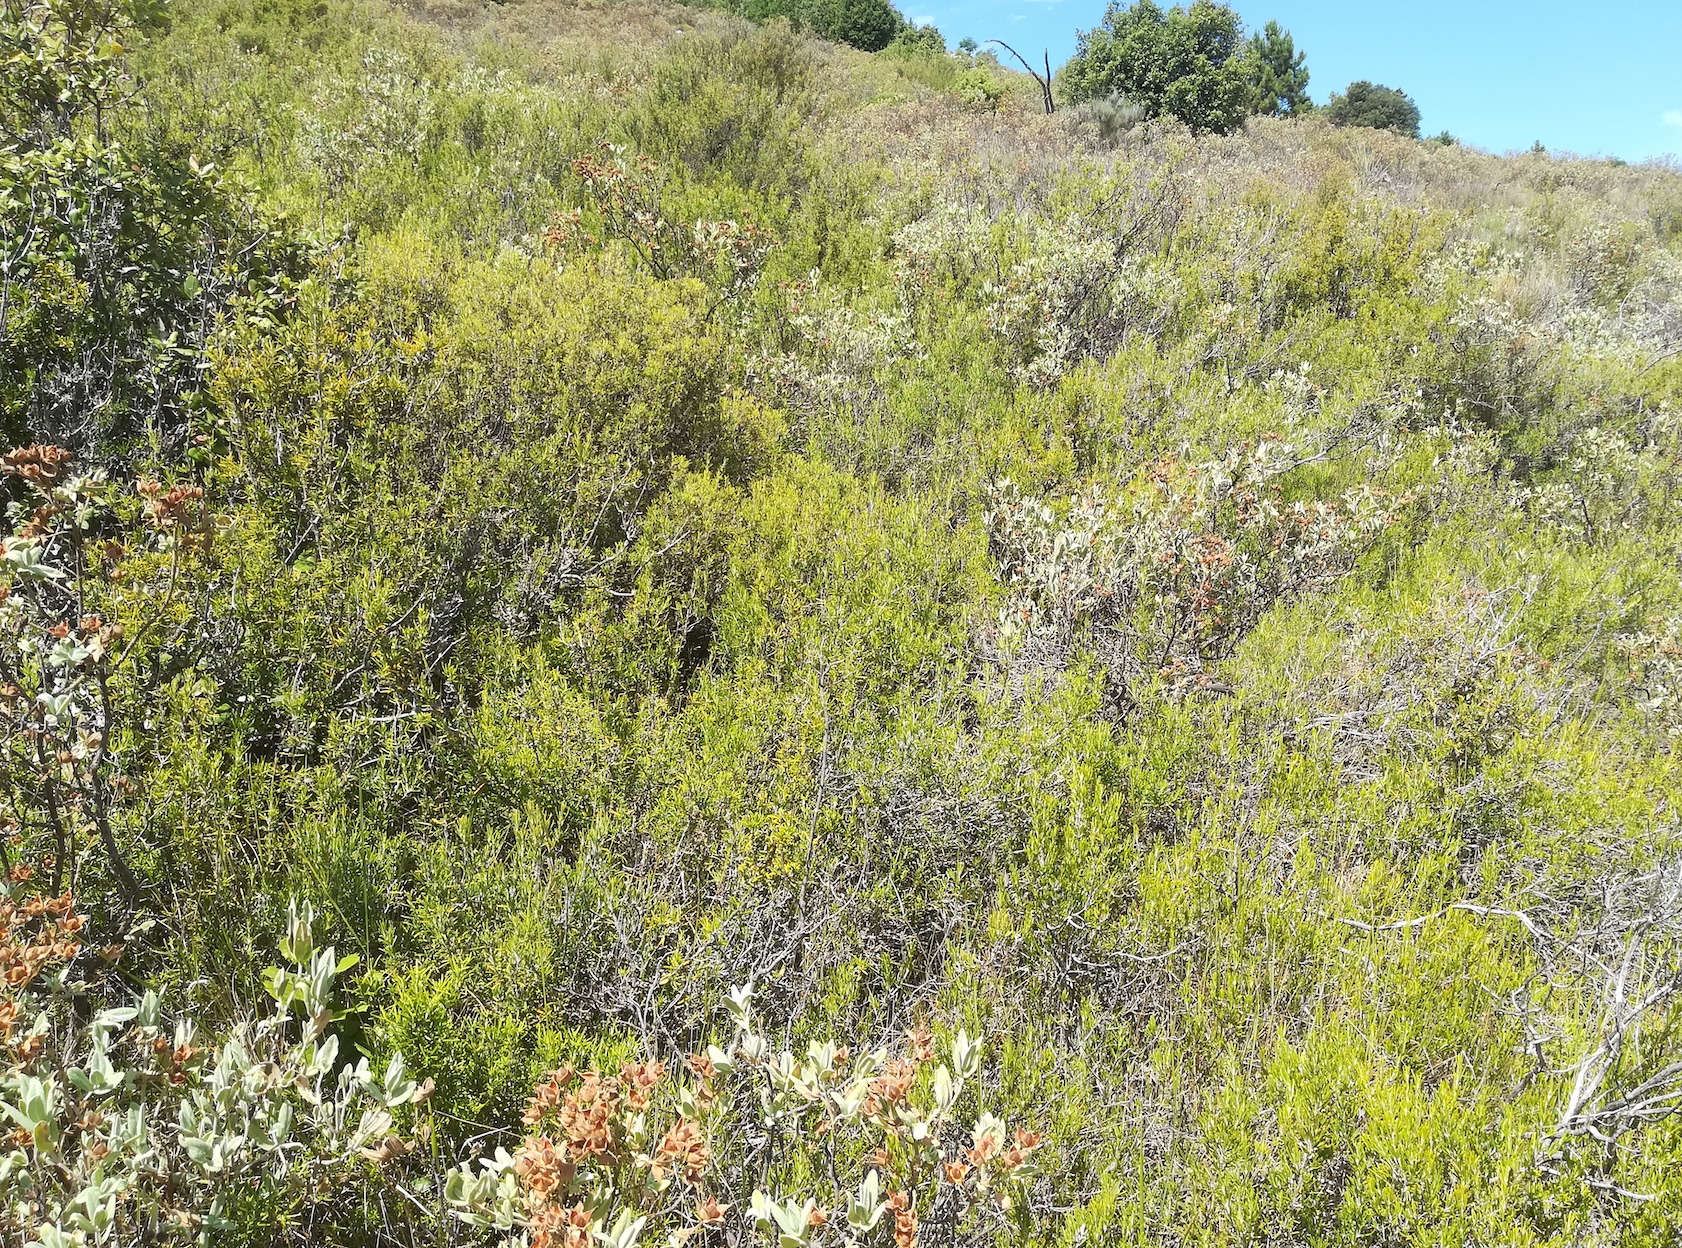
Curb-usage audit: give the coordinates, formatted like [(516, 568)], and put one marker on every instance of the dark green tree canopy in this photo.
[(1278, 73), (1376, 107), (920, 39), (868, 24), (1181, 63)]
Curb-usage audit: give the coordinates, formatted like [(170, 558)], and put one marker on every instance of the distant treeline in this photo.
[(1193, 63)]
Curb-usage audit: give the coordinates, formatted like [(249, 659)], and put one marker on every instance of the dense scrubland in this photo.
[(534, 519)]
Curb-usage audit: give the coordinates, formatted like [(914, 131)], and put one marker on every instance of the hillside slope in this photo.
[(685, 505)]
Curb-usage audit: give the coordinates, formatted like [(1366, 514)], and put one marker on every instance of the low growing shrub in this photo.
[(129, 1127), (1168, 573), (828, 1148)]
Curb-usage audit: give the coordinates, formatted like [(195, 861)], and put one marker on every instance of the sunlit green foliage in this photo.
[(1376, 107), (1184, 63), (118, 249), (867, 24), (1278, 73), (678, 510)]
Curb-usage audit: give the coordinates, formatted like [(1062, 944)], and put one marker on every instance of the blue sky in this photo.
[(1596, 79)]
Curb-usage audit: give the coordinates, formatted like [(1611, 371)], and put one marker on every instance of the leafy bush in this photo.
[(1655, 670), (1084, 288), (380, 114), (942, 253), (869, 25), (1375, 107), (619, 1158), (116, 256), (977, 86), (79, 601), (1166, 576), (129, 1127), (1184, 63)]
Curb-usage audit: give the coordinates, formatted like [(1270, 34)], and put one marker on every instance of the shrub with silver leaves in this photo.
[(128, 1127)]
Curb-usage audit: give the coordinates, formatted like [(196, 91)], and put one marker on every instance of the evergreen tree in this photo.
[(924, 40), (1376, 107), (868, 24), (1181, 63), (1278, 74)]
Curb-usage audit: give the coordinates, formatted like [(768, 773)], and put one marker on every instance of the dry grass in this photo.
[(594, 37)]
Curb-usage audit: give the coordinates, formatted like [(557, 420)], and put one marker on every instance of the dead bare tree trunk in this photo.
[(1045, 81)]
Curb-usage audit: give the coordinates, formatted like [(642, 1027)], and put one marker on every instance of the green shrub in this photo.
[(119, 253), (1377, 108), (870, 25), (132, 1127), (1184, 63), (582, 571), (977, 86), (599, 1166)]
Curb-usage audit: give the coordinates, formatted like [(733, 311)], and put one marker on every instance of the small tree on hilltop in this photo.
[(915, 40), (1277, 73), (868, 24), (1376, 107), (1181, 63)]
